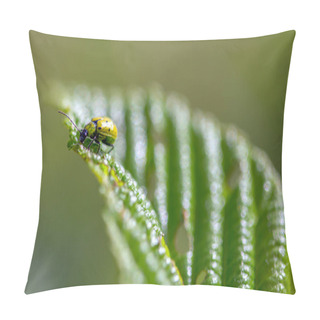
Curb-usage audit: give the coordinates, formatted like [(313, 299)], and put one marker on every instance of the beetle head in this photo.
[(83, 135)]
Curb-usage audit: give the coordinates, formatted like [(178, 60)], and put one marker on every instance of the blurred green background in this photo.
[(240, 81)]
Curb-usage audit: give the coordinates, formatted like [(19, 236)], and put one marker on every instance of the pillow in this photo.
[(164, 163)]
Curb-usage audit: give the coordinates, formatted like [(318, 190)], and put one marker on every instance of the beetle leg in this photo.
[(98, 142), (91, 142), (112, 146), (88, 147)]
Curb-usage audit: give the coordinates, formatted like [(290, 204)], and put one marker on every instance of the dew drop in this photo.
[(267, 186)]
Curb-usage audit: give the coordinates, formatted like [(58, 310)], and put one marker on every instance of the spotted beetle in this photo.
[(99, 129)]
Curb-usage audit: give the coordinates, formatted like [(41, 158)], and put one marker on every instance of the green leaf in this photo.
[(200, 205)]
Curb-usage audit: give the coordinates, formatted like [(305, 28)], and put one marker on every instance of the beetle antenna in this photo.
[(70, 120)]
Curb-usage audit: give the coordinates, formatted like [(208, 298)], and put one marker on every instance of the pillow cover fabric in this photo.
[(191, 192)]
